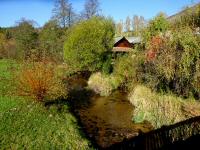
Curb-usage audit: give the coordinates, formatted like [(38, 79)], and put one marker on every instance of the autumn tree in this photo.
[(138, 23), (63, 13), (119, 27), (91, 8), (128, 24)]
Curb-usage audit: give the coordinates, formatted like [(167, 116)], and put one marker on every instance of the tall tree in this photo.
[(142, 22), (128, 24), (88, 44), (119, 28), (63, 13), (91, 8), (136, 24), (26, 38), (51, 42)]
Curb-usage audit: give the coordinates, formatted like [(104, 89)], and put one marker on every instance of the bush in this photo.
[(107, 65), (172, 62), (127, 69), (158, 109), (39, 80), (103, 84), (88, 42)]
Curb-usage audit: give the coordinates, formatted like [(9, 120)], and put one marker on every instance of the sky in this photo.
[(41, 10)]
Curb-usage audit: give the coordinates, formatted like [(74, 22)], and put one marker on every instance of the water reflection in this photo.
[(107, 119)]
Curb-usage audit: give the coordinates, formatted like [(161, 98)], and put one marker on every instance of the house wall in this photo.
[(123, 43)]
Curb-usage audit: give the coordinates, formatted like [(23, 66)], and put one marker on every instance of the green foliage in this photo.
[(156, 26), (171, 61), (87, 43), (188, 17), (51, 42), (26, 39), (127, 69), (2, 44), (107, 64)]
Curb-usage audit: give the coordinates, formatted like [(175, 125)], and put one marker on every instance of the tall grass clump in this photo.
[(40, 81), (103, 84), (159, 109)]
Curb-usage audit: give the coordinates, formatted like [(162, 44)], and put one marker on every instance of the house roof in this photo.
[(132, 40)]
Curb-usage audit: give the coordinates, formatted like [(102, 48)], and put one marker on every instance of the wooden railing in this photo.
[(164, 138)]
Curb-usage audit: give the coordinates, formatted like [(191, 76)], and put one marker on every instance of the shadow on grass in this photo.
[(76, 99)]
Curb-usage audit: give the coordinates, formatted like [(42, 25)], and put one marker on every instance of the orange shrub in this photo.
[(40, 81)]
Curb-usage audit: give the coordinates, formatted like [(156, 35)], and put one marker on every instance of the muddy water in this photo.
[(108, 120)]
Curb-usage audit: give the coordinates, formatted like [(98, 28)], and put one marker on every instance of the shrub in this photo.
[(107, 65), (157, 108), (127, 69), (40, 81), (103, 84), (171, 61), (88, 42)]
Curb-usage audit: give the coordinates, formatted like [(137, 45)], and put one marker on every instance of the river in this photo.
[(106, 120)]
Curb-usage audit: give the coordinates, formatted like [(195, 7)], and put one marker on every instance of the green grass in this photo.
[(29, 125), (7, 70)]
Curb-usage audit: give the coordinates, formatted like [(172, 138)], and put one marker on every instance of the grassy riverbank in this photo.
[(29, 125), (161, 108)]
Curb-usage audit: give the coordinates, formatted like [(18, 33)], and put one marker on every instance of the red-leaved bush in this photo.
[(156, 44)]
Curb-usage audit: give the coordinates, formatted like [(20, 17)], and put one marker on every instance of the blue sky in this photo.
[(41, 10)]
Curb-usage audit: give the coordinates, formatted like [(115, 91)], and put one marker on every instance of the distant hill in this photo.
[(183, 12)]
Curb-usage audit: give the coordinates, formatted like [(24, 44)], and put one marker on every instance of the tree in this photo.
[(88, 43), (91, 8), (142, 22), (158, 24), (119, 27), (63, 13), (2, 45), (138, 24), (26, 38), (50, 39), (128, 24)]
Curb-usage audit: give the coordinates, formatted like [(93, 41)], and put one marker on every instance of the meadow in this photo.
[(26, 124)]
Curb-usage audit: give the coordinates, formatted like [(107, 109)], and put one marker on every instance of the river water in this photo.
[(107, 120)]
